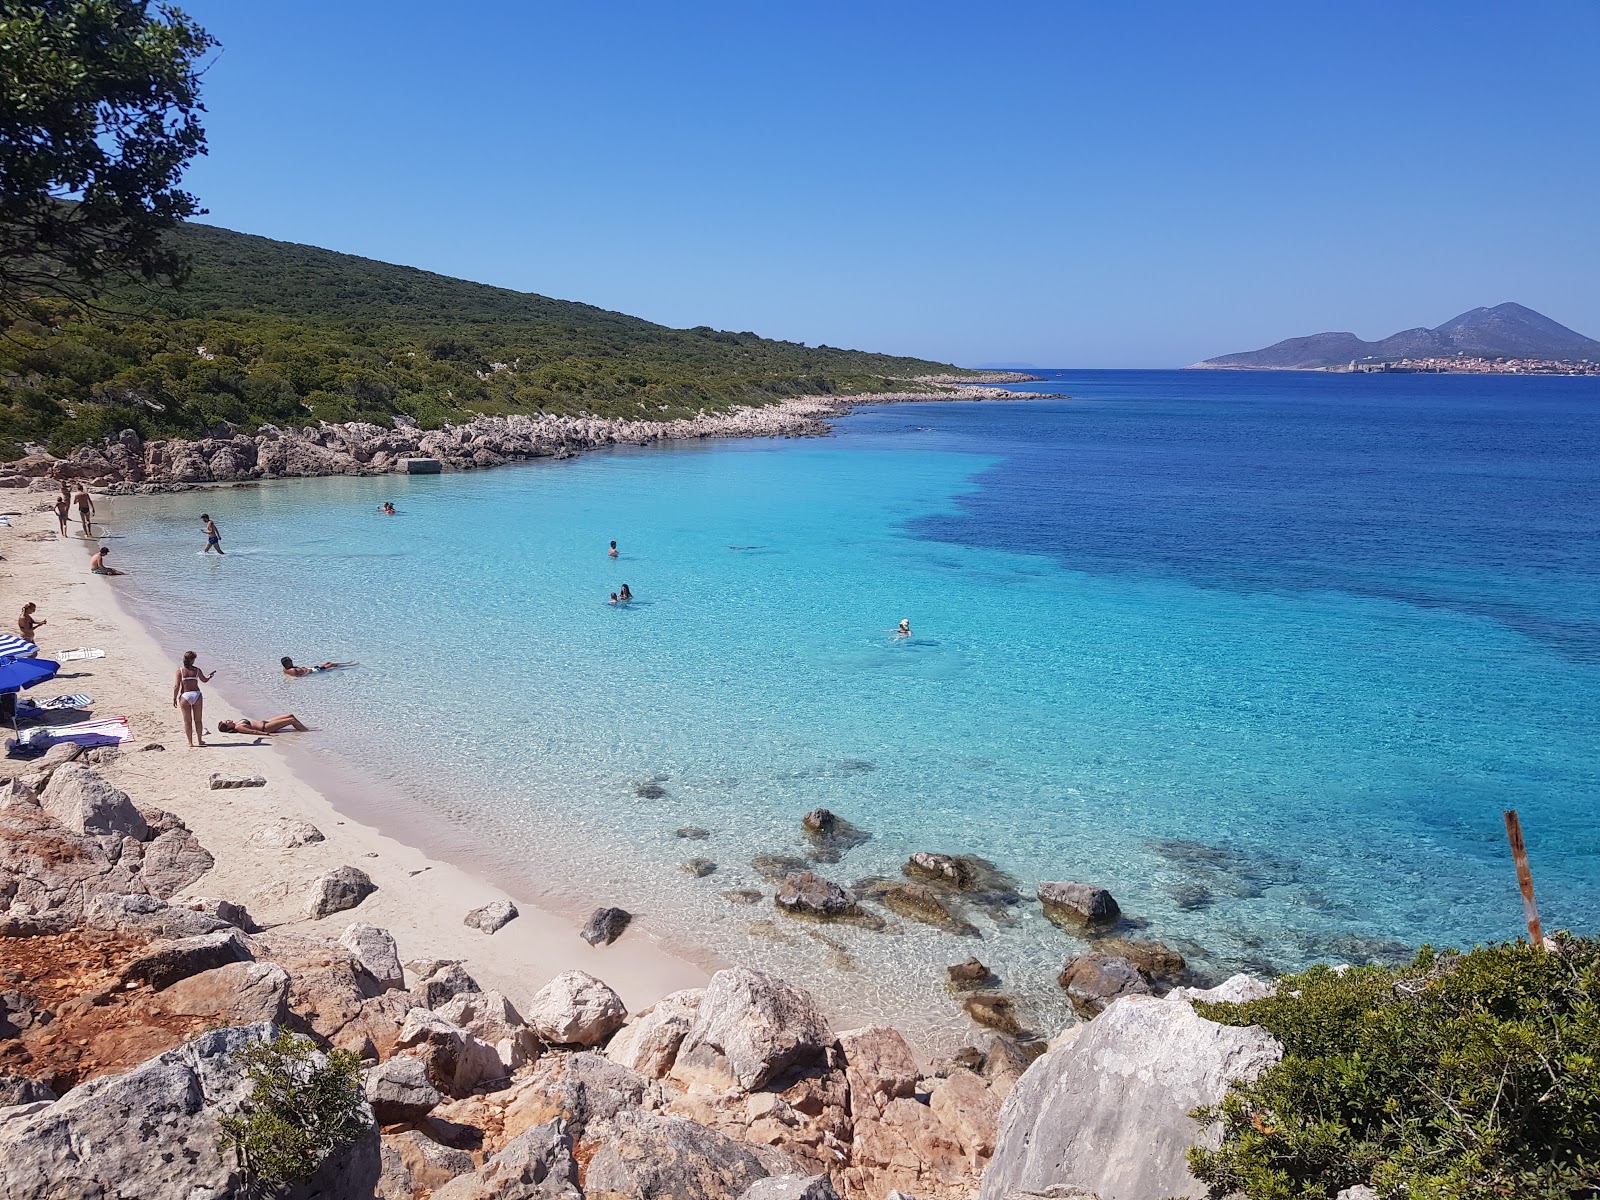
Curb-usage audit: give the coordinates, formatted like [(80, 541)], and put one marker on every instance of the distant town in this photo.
[(1462, 365)]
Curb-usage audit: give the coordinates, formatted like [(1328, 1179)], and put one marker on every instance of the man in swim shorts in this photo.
[(213, 538), (97, 564), (85, 509)]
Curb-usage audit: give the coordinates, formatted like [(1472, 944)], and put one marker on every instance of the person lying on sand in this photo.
[(97, 564), (270, 725), (295, 672)]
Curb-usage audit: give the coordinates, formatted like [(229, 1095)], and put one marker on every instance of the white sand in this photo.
[(420, 900)]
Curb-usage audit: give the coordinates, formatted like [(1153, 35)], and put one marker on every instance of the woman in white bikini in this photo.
[(186, 695)]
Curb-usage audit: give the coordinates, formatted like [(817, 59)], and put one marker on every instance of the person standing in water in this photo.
[(625, 594), (213, 538), (612, 553), (186, 697), (85, 510), (63, 509)]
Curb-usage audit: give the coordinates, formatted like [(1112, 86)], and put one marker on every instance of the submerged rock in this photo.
[(939, 868), (1093, 981), (698, 867), (743, 895), (693, 833), (805, 893), (650, 791), (774, 867), (971, 973), (1159, 964), (923, 904), (605, 926), (1078, 905), (996, 1012)]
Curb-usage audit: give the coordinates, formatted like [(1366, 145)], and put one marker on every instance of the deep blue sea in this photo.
[(1266, 654)]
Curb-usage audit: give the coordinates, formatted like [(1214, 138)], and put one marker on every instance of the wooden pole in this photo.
[(1519, 852)]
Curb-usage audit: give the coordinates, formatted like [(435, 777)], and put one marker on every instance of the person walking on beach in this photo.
[(213, 538), (97, 564), (612, 553), (85, 510), (27, 623), (186, 696), (270, 725), (63, 509)]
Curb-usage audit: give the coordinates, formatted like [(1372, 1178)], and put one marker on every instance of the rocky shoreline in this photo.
[(128, 465), (129, 994)]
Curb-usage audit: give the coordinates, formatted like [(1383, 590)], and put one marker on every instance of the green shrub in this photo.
[(1460, 1077), (298, 1112)]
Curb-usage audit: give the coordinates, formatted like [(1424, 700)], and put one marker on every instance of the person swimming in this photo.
[(903, 630), (387, 509), (613, 599), (612, 553), (295, 672), (625, 594)]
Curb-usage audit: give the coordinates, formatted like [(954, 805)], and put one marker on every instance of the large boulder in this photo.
[(647, 1155), (1093, 981), (338, 891), (495, 1021), (1108, 1111), (807, 894), (576, 1009), (427, 1163), (791, 1187), (169, 962), (538, 1165), (399, 1090), (83, 802), (238, 993), (879, 1066), (152, 1132), (376, 951), (583, 1090), (969, 1108), (1079, 905), (173, 858), (750, 1028), (649, 1042), (147, 916), (48, 875), (457, 1062)]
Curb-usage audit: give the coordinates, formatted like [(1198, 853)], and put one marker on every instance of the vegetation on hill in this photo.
[(1460, 1077), (270, 332)]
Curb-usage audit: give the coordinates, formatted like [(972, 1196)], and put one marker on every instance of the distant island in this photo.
[(1505, 339)]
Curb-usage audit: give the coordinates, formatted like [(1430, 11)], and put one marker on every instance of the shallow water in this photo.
[(1267, 655)]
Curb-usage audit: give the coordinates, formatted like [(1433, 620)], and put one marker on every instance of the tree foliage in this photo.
[(99, 118), (298, 1113), (1460, 1077), (269, 332)]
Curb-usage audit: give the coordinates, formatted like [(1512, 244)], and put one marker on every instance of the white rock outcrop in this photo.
[(576, 1009), (376, 951), (1108, 1112), (749, 1029)]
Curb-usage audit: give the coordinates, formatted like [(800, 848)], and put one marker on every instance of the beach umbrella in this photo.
[(11, 646), (19, 673)]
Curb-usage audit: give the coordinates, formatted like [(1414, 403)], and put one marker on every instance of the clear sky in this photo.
[(1062, 184)]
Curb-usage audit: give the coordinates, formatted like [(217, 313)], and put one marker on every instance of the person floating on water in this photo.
[(387, 509), (213, 538), (85, 510), (270, 725), (295, 672), (613, 599), (903, 630), (97, 564), (625, 594), (612, 553)]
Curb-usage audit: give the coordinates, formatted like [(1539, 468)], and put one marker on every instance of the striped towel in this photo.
[(80, 653), (11, 646), (57, 703)]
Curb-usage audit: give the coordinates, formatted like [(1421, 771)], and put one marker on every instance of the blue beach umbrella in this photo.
[(19, 673)]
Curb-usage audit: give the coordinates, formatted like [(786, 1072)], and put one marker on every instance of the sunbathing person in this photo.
[(270, 725), (295, 672)]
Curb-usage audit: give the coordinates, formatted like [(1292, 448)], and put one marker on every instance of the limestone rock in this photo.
[(443, 982), (172, 860), (995, 1012), (791, 1187), (806, 893), (1078, 905), (538, 1165), (1237, 989), (147, 916), (879, 1067), (649, 1042), (492, 916), (173, 1103), (922, 903), (427, 1163), (83, 802), (944, 869), (583, 1090), (457, 1062), (606, 926), (238, 993), (398, 1090), (223, 910), (1360, 1192), (287, 833), (575, 1008), (49, 875), (750, 1027), (647, 1155), (19, 1089), (376, 951), (971, 973), (1159, 964), (169, 962), (1093, 981), (1109, 1110), (338, 891), (967, 1107), (493, 1020)]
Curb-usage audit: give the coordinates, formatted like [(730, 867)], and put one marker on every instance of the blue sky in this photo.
[(1064, 184)]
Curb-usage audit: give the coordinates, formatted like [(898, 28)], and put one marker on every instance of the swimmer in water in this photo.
[(612, 553), (295, 672), (903, 630), (388, 509), (625, 594), (613, 599)]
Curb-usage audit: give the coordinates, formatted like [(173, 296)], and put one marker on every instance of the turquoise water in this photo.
[(1267, 656)]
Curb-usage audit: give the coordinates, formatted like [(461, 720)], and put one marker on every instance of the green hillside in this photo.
[(272, 332)]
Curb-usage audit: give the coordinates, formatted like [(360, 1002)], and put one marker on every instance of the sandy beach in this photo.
[(421, 900)]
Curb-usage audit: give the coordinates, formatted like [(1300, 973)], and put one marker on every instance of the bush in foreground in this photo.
[(298, 1113), (1460, 1077)]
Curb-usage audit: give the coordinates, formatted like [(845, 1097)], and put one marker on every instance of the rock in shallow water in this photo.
[(1093, 981), (1077, 905), (606, 926), (923, 904), (698, 867), (997, 1012), (971, 973), (805, 893)]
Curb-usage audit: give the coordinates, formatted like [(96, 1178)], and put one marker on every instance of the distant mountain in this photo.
[(1504, 331)]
